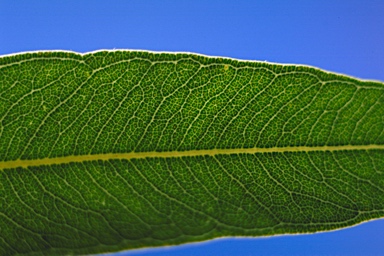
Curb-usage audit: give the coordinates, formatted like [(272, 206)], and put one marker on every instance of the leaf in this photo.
[(117, 150)]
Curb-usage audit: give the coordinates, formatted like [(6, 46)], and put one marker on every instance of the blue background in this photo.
[(341, 36)]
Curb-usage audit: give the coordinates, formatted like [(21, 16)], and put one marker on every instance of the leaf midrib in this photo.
[(174, 154)]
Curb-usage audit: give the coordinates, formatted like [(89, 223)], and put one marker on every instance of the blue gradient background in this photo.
[(342, 36)]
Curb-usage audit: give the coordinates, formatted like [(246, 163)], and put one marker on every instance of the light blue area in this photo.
[(364, 239), (334, 35), (341, 36)]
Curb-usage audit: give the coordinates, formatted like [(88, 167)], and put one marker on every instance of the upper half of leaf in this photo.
[(59, 104)]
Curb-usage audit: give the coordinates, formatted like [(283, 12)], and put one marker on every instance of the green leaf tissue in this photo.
[(117, 150)]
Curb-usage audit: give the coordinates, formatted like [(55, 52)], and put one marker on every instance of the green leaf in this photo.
[(117, 150)]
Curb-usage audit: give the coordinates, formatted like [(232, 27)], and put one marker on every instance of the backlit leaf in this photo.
[(117, 150)]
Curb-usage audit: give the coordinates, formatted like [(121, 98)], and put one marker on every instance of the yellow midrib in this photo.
[(170, 154)]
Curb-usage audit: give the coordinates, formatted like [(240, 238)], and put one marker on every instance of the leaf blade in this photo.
[(200, 146)]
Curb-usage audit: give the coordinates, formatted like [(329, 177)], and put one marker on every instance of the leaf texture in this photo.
[(116, 150)]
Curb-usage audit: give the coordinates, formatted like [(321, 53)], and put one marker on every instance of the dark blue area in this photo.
[(340, 36)]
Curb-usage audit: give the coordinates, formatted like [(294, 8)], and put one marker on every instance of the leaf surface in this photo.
[(118, 150)]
